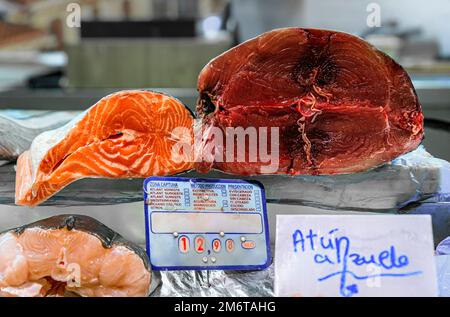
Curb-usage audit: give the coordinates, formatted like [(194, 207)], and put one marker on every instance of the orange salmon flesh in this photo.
[(129, 134), (40, 261)]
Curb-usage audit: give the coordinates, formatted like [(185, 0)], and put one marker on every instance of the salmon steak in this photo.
[(129, 134), (71, 255), (332, 103)]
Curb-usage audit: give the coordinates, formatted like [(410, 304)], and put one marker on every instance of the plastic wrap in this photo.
[(215, 283), (443, 275), (444, 247), (410, 178), (415, 183), (18, 128)]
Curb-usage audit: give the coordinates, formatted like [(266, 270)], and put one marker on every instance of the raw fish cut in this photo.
[(341, 105), (71, 254), (126, 134), (18, 128)]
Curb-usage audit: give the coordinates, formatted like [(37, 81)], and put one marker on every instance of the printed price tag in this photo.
[(200, 224), (376, 255), (216, 245), (199, 244), (183, 244)]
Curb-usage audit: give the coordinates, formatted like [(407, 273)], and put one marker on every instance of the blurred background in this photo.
[(65, 55)]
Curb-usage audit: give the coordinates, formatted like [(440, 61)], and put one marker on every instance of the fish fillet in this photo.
[(71, 254), (126, 134), (339, 104)]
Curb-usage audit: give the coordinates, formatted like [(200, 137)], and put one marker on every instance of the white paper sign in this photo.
[(373, 255)]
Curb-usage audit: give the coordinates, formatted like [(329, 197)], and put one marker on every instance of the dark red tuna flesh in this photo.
[(341, 105)]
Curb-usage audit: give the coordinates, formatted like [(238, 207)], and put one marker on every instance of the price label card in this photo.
[(198, 224), (373, 255)]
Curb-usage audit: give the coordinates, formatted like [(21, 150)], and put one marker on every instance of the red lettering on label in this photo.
[(229, 245), (216, 245), (199, 244), (183, 244)]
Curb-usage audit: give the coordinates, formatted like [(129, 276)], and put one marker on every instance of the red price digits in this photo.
[(199, 244), (183, 244), (230, 245), (216, 245)]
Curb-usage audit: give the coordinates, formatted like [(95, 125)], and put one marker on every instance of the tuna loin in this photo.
[(341, 105)]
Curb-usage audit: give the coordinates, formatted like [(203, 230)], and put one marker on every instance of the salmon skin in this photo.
[(129, 134), (70, 255), (340, 105)]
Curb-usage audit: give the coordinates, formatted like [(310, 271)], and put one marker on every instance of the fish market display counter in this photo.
[(415, 183)]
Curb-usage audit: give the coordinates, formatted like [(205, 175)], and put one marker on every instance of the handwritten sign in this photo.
[(373, 255)]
